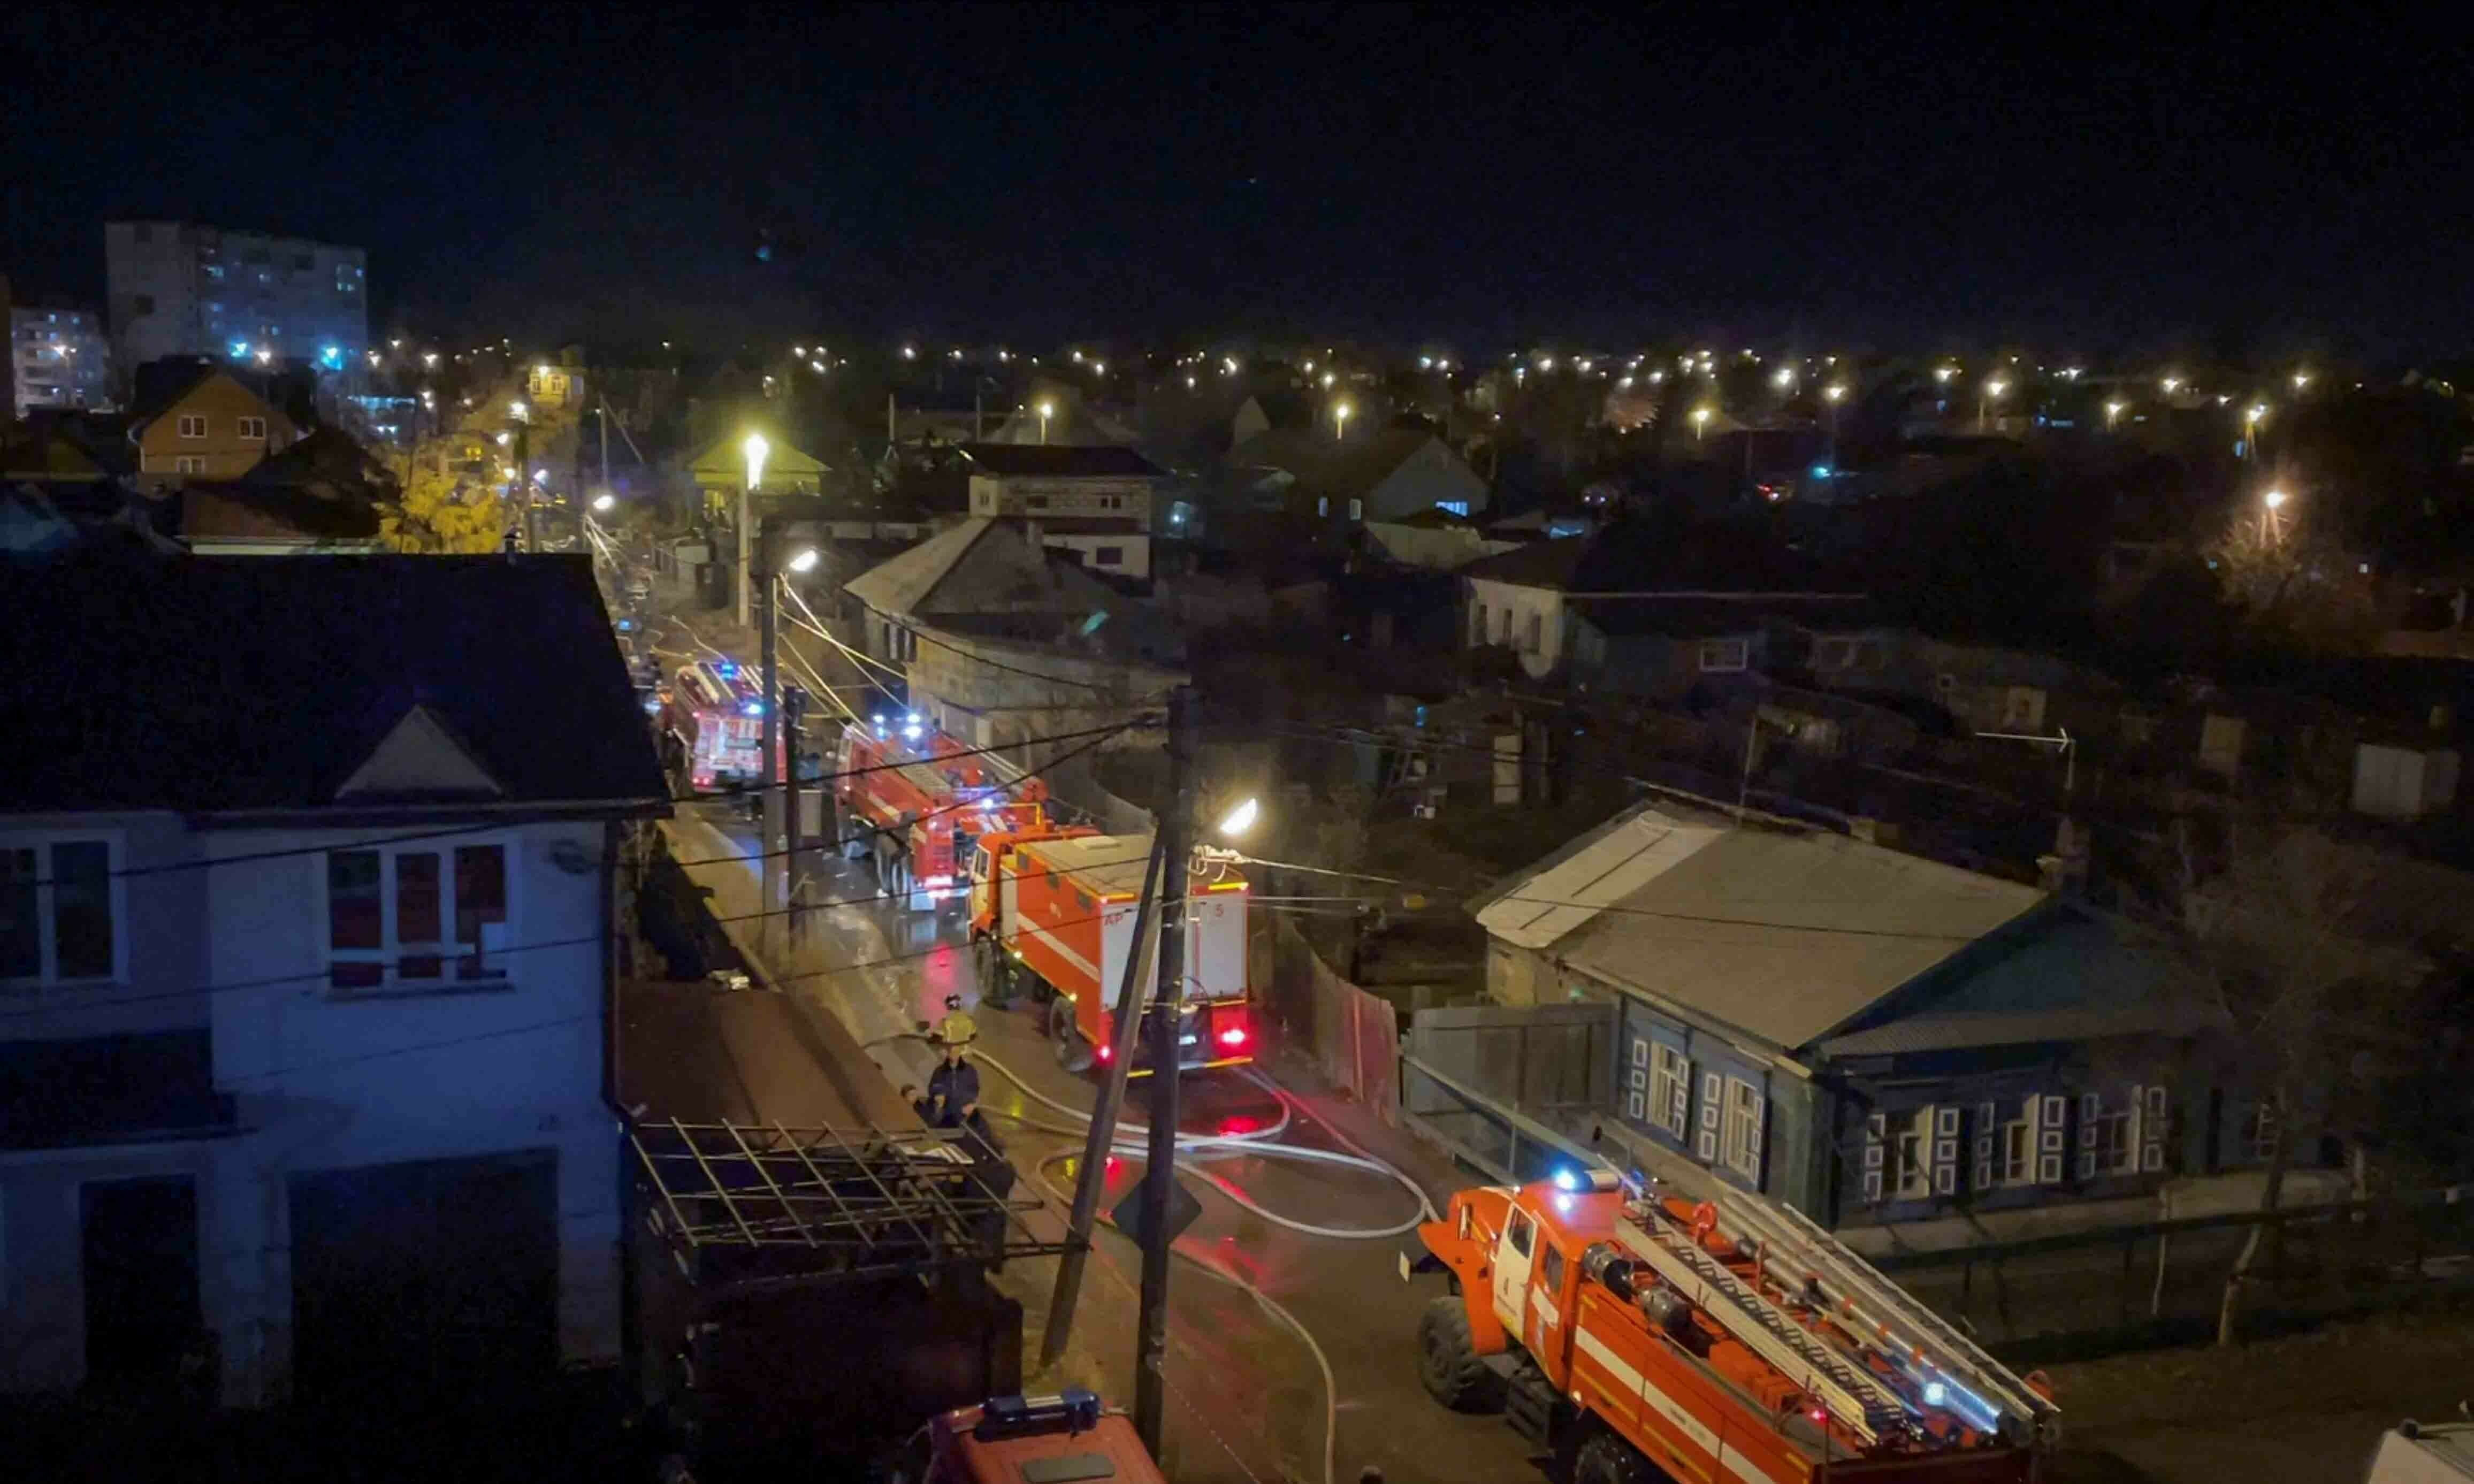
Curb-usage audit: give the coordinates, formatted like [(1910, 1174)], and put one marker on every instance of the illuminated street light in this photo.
[(430, 358), (1099, 368), (1340, 420), (2301, 380), (805, 561), (1700, 423), (1943, 374), (519, 412), (755, 447), (541, 476), (2270, 524), (265, 355), (505, 439), (2252, 415), (1993, 391), (1238, 820), (1327, 379), (1784, 377), (909, 355), (2274, 500), (1835, 392), (2172, 384), (2112, 412), (603, 502), (1047, 410)]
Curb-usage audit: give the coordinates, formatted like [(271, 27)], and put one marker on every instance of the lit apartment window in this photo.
[(411, 918), (59, 911), (192, 427)]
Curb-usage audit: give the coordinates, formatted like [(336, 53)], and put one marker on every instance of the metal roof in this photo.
[(981, 565), (1785, 934)]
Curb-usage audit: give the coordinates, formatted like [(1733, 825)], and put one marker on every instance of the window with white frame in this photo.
[(189, 464), (1670, 1088), (1534, 635), (416, 918), (253, 427), (1356, 509), (59, 911), (1741, 1152), (2108, 1135), (192, 426), (1725, 655)]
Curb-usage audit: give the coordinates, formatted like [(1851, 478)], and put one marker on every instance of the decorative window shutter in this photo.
[(2155, 1125), (1985, 1124), (1705, 1147), (2053, 1112), (1871, 1188)]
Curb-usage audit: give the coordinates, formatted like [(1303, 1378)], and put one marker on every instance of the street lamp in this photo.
[(2301, 380), (1340, 420), (805, 561), (1783, 379), (430, 358), (1047, 410), (1240, 820), (519, 411), (2112, 414), (2251, 416), (753, 448), (1943, 374), (2171, 385), (603, 503), (1832, 394), (1993, 391), (1700, 423), (2273, 500)]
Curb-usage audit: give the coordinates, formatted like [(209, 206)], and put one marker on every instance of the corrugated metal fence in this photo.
[(1354, 1036)]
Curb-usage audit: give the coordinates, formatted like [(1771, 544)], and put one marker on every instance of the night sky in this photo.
[(1012, 173)]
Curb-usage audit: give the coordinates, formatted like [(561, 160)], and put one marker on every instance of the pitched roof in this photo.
[(209, 685), (243, 511), (1539, 564), (1337, 468), (725, 460), (324, 455), (1640, 556), (1054, 460), (983, 566), (1785, 934), (1697, 617)]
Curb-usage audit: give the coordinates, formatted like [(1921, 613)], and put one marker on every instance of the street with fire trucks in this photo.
[(1348, 1298)]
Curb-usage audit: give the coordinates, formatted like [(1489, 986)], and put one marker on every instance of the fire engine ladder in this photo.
[(1854, 1397), (1884, 1315)]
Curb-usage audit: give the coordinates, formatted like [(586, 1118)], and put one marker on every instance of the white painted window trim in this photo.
[(191, 425), (115, 843), (494, 975), (1725, 656), (1670, 1090), (1742, 1144), (253, 427)]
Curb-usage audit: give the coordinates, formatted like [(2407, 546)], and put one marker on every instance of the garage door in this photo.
[(425, 1283)]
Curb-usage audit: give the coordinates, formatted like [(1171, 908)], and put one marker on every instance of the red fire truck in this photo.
[(1052, 914), (1062, 1437), (720, 719), (1640, 1336), (907, 800)]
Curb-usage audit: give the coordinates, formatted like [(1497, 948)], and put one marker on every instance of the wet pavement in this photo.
[(1248, 1399)]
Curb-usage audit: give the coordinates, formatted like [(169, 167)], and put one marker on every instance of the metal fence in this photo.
[(1506, 1089), (1354, 1037)]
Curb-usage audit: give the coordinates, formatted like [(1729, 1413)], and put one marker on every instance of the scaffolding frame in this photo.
[(749, 1206)]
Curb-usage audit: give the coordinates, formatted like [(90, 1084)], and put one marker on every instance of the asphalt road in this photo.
[(1248, 1399)]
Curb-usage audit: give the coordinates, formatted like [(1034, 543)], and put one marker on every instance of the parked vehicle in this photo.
[(1052, 915), (1639, 1337), (914, 800), (1014, 1438)]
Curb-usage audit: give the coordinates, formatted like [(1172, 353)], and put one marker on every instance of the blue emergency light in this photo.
[(1076, 1409)]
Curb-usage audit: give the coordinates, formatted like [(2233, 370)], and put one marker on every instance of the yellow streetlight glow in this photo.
[(1783, 377), (1238, 820), (1047, 410), (805, 561), (755, 447), (1943, 374), (2172, 384), (2301, 380), (1994, 389), (2273, 498), (1835, 392), (1699, 422), (1327, 380), (1340, 420), (2113, 410)]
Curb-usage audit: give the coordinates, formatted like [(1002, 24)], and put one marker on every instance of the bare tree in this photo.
[(2274, 939), (2295, 576)]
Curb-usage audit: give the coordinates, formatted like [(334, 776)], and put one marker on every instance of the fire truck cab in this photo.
[(1638, 1336), (909, 802)]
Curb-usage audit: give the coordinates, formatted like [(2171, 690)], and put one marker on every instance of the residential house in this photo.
[(1330, 485), (1653, 614), (204, 422), (1870, 1036), (1271, 409), (321, 494), (307, 944), (1002, 639), (1092, 501)]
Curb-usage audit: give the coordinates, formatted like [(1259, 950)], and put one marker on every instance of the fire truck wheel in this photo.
[(1454, 1374), (991, 970), (1607, 1459), (1073, 1053)]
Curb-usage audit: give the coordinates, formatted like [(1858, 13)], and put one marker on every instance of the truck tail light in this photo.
[(1232, 1035), (1106, 1052), (937, 881)]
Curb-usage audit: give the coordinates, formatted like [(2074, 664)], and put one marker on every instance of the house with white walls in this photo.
[(305, 944)]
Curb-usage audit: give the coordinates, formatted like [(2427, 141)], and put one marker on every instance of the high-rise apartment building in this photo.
[(178, 288), (59, 358)]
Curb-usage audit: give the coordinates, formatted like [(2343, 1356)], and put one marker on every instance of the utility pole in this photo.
[(1103, 1131), (769, 795), (794, 708), (1159, 1169)]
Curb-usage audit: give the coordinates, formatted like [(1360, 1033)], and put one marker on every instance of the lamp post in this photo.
[(1831, 396), (1992, 394), (1047, 410), (2252, 416), (2112, 414), (1340, 420), (2270, 524), (1700, 423), (753, 448)]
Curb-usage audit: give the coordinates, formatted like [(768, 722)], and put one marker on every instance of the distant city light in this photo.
[(2172, 384), (909, 354), (240, 350), (505, 439), (265, 355), (429, 357), (1944, 372), (2273, 498), (603, 502), (2301, 380), (1783, 377), (1833, 391)]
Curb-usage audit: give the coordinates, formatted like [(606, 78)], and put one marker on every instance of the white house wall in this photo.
[(326, 1081), (1521, 604)]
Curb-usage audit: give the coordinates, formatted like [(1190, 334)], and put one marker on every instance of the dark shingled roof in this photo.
[(211, 684), (1057, 460)]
